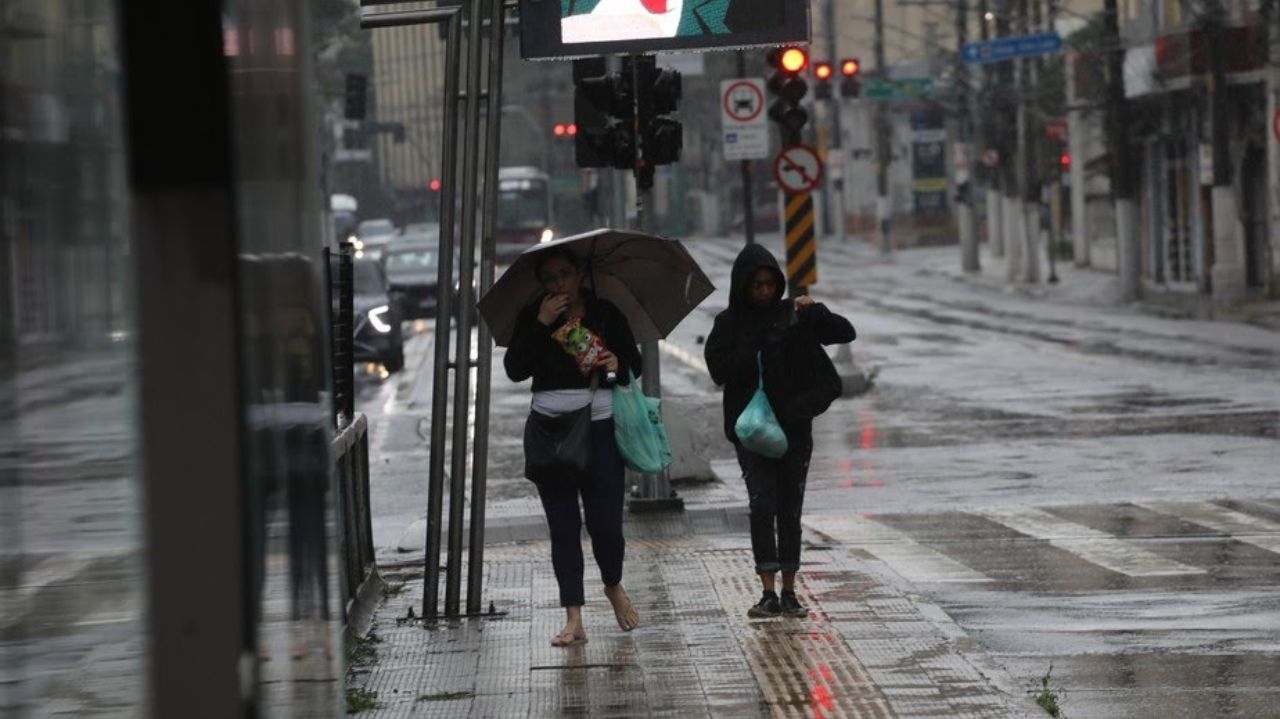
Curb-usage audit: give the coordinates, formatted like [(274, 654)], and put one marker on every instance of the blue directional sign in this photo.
[(1011, 48)]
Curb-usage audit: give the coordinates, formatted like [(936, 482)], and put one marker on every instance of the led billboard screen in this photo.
[(560, 29)]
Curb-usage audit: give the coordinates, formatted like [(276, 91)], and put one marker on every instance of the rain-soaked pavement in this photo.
[(1039, 483)]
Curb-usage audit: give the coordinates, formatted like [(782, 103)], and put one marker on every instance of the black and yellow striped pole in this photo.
[(802, 248)]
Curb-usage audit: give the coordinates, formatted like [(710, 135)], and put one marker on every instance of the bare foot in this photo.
[(568, 639), (628, 617)]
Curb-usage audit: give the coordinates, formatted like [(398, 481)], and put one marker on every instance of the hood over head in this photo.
[(752, 258)]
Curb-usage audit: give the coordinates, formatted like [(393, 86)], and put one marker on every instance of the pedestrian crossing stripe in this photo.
[(802, 260), (1100, 548), (1242, 527), (919, 563)]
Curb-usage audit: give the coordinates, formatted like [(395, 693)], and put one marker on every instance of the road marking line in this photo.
[(1087, 543), (914, 561), (1242, 527)]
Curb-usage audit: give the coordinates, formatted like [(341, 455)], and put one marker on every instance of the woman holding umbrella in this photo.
[(562, 385)]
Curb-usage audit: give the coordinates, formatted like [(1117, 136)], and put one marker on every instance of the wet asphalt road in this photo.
[(1078, 486)]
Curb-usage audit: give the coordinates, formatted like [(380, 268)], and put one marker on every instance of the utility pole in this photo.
[(833, 185), (1015, 215), (1123, 185), (990, 140), (1034, 159), (1271, 50), (748, 195), (965, 190), (1228, 274), (884, 149)]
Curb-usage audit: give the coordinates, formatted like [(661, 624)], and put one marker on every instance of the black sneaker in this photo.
[(791, 606), (768, 606)]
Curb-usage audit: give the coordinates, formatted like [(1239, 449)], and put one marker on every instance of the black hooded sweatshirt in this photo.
[(744, 329)]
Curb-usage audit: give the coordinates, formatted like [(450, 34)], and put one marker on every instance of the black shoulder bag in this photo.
[(557, 450)]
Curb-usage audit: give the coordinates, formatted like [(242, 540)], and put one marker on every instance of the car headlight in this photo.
[(355, 242), (378, 318), (547, 235)]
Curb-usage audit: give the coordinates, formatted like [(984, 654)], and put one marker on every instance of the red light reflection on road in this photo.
[(867, 437), (821, 698)]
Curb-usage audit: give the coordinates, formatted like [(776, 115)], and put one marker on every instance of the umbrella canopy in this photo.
[(652, 280)]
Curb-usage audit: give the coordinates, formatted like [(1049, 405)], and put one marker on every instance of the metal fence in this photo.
[(361, 584)]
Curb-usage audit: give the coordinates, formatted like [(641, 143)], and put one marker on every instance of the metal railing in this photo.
[(350, 451)]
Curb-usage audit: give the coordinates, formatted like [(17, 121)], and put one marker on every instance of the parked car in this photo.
[(412, 265), (376, 334)]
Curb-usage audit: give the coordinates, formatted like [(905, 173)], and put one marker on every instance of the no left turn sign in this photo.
[(797, 169)]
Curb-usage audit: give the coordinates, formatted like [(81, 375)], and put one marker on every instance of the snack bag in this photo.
[(584, 345)]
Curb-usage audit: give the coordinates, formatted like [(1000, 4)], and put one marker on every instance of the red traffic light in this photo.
[(571, 130), (822, 70), (850, 67), (559, 130), (434, 185), (793, 60), (1065, 161)]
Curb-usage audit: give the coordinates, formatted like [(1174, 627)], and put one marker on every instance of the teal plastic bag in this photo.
[(757, 427), (638, 430)]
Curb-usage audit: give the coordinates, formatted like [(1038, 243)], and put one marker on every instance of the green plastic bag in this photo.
[(757, 427), (638, 429)]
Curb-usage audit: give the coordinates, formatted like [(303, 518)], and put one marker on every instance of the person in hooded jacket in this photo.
[(800, 382)]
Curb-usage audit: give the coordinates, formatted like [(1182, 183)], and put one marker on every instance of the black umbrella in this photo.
[(652, 280)]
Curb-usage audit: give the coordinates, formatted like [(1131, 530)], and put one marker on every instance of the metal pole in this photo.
[(748, 195), (884, 149), (834, 183), (966, 194), (484, 348), (444, 309), (466, 300)]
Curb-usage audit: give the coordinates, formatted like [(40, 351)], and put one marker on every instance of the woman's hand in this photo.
[(608, 360), (552, 307)]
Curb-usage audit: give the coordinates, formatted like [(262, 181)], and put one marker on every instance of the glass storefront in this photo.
[(72, 620)]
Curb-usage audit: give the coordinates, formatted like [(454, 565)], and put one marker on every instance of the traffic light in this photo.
[(565, 132), (790, 88), (602, 112), (354, 95), (822, 73), (658, 94), (850, 84)]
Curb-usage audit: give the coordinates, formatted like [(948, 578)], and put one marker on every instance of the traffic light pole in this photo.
[(833, 184), (965, 193), (655, 489)]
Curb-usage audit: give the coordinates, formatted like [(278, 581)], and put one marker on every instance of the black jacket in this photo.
[(535, 353), (784, 337)]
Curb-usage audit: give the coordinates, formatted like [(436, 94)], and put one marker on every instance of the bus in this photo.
[(524, 216)]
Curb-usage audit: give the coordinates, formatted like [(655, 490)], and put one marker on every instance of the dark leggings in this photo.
[(602, 500), (775, 490)]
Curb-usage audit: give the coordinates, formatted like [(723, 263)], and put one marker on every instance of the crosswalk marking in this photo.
[(1242, 527), (1087, 543), (907, 557)]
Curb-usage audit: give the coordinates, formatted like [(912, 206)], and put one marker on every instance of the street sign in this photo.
[(920, 88), (797, 169), (743, 125), (1011, 48)]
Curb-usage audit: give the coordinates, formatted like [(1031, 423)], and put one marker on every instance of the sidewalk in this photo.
[(867, 649), (1089, 287)]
